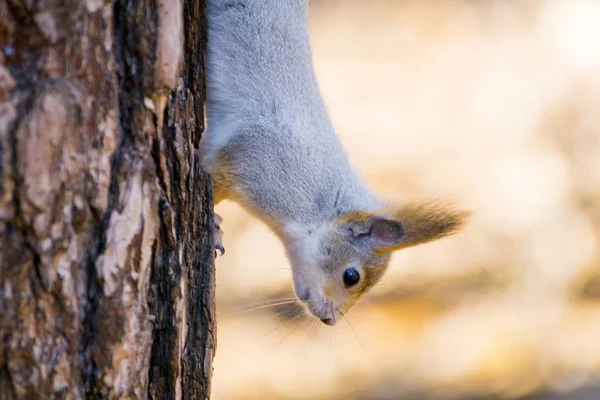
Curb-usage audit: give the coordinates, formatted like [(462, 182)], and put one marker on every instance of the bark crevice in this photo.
[(103, 204)]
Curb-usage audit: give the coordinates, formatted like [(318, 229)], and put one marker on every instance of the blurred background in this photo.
[(496, 105)]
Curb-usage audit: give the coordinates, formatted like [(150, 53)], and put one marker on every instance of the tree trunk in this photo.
[(106, 247)]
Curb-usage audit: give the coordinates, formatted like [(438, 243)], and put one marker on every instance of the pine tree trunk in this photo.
[(106, 255)]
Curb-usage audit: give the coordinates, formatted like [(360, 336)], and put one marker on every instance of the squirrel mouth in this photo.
[(324, 313), (329, 321)]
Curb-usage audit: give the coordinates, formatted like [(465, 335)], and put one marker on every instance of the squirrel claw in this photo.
[(218, 235)]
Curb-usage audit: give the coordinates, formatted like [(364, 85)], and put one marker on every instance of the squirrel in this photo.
[(270, 146)]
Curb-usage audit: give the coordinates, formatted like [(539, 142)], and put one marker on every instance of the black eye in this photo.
[(351, 277)]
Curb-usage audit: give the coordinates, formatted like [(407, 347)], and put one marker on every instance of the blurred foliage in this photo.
[(493, 104)]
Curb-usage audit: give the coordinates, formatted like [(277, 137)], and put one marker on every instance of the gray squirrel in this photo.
[(270, 147)]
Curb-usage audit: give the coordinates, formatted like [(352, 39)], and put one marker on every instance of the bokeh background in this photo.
[(494, 104)]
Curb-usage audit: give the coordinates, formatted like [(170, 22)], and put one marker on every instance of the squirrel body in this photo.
[(270, 146)]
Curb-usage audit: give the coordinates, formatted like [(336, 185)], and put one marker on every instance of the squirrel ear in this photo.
[(380, 232), (426, 222), (408, 226)]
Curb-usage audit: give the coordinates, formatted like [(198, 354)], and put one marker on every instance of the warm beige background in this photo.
[(496, 104)]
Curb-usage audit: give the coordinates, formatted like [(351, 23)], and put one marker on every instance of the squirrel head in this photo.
[(335, 264)]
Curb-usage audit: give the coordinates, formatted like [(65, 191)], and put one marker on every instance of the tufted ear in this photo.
[(378, 232), (407, 226)]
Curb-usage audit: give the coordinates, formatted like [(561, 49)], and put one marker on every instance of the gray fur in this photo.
[(286, 163), (265, 108)]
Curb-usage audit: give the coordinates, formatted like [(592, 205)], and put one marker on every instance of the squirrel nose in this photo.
[(328, 321)]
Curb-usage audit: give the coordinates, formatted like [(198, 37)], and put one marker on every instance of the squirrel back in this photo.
[(271, 147)]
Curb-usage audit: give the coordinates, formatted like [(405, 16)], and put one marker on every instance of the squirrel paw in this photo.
[(218, 235)]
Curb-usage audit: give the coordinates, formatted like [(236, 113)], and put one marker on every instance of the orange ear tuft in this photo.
[(408, 226), (428, 221)]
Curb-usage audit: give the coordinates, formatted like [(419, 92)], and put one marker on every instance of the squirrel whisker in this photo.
[(281, 303)]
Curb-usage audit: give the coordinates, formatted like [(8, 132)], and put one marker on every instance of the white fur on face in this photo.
[(304, 253)]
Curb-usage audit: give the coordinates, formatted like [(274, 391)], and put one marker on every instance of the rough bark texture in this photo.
[(106, 255)]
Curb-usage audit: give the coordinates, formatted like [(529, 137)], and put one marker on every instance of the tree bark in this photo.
[(106, 247)]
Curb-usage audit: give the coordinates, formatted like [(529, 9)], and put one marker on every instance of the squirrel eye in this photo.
[(351, 277)]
